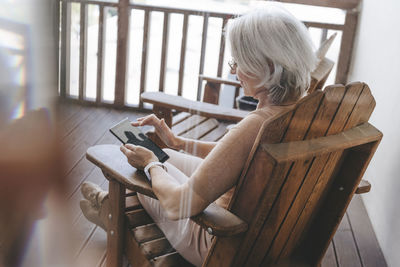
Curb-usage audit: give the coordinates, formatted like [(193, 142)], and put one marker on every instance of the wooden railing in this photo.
[(125, 7)]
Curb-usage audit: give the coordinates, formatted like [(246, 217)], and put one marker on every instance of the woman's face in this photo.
[(249, 84)]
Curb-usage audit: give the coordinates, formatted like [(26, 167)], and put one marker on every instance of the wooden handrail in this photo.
[(124, 9)]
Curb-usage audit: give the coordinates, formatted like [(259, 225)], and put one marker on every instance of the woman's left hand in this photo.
[(138, 156)]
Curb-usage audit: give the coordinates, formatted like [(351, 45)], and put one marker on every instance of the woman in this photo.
[(273, 58)]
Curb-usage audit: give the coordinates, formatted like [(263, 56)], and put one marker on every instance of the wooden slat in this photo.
[(216, 134), (145, 47), (187, 124), (202, 53), (183, 52), (146, 233), (180, 117), (164, 50), (346, 47), (132, 203), (101, 53), (201, 129), (138, 218), (157, 247), (170, 260), (83, 51), (122, 51), (297, 130)]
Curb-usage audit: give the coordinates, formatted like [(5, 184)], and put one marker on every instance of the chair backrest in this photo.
[(294, 206)]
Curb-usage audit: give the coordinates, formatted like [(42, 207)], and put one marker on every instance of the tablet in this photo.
[(128, 134)]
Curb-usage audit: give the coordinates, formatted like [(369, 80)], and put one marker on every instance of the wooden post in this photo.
[(203, 54), (65, 48), (101, 53), (164, 51), (145, 46), (183, 53), (115, 233), (83, 50), (346, 47), (124, 12)]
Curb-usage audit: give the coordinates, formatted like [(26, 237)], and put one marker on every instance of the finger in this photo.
[(131, 147), (124, 150), (135, 123)]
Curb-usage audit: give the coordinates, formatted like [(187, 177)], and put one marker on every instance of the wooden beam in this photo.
[(343, 4), (122, 52)]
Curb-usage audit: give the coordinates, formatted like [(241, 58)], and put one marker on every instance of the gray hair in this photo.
[(270, 44)]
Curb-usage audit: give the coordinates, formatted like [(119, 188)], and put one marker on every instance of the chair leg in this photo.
[(115, 233)]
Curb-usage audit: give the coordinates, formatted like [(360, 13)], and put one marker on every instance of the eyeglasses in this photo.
[(232, 64)]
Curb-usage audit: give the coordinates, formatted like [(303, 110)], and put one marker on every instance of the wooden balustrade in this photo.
[(125, 8)]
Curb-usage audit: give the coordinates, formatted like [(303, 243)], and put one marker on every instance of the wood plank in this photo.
[(146, 233), (364, 235), (200, 108), (137, 218), (343, 4), (94, 250), (157, 247), (345, 245), (201, 129), (180, 117), (329, 259), (216, 134), (187, 124)]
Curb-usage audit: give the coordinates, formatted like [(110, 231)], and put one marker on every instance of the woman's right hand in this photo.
[(161, 129)]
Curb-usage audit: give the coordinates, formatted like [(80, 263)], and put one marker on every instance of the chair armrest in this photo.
[(215, 219), (285, 152), (220, 80), (182, 104)]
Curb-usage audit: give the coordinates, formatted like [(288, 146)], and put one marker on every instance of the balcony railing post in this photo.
[(65, 48), (124, 12), (202, 54), (346, 47), (145, 47), (101, 53), (83, 50)]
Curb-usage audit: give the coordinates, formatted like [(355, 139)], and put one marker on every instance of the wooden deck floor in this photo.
[(354, 244)]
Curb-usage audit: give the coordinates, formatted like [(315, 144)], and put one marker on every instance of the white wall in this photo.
[(376, 61)]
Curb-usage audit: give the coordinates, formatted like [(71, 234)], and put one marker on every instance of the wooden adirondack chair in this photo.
[(295, 187)]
